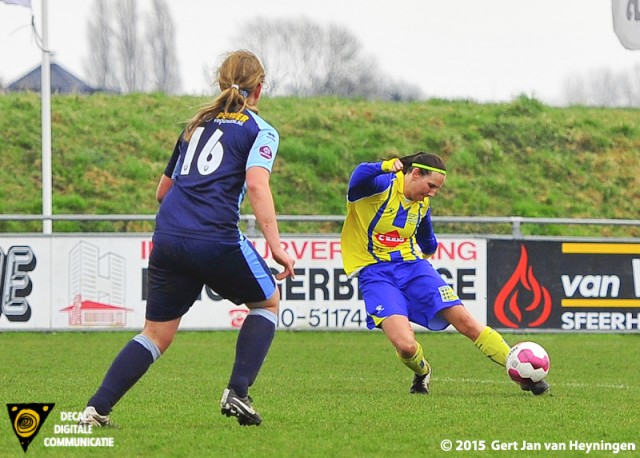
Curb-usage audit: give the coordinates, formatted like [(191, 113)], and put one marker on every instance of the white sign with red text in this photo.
[(63, 282)]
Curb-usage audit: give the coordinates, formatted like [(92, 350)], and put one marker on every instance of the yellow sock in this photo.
[(417, 363), (491, 343)]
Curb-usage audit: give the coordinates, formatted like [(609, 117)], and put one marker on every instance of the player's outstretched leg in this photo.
[(491, 343), (131, 363)]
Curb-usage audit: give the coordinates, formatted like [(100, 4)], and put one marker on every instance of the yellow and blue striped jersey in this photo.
[(382, 225)]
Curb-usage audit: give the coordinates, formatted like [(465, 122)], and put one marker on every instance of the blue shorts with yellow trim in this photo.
[(411, 288)]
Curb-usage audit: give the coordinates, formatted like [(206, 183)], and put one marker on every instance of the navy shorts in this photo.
[(413, 289), (180, 267)]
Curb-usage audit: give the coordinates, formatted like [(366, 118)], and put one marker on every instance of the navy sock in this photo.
[(131, 363), (252, 346)]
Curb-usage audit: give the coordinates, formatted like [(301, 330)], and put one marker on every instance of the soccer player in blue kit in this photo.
[(386, 238), (225, 152)]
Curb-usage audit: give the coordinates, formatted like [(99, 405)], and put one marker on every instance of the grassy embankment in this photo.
[(513, 159)]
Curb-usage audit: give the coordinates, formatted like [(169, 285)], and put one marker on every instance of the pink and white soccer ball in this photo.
[(527, 362)]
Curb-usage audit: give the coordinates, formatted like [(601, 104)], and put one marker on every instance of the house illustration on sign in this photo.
[(96, 287)]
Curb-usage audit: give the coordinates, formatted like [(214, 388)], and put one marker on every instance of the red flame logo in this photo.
[(507, 300)]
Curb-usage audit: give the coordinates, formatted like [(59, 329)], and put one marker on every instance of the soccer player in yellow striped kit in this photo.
[(386, 238)]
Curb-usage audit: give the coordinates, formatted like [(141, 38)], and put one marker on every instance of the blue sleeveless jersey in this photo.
[(209, 174)]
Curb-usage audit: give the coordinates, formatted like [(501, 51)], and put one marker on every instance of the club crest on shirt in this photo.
[(447, 294), (390, 239), (265, 152)]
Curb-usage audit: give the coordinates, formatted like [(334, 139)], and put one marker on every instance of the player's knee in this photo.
[(272, 304), (161, 333), (163, 342), (406, 348)]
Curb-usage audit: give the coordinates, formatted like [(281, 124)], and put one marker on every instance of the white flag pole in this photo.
[(45, 91)]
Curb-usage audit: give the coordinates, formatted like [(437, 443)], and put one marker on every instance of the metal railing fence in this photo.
[(515, 222)]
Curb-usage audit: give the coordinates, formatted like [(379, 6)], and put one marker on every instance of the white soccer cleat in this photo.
[(93, 418)]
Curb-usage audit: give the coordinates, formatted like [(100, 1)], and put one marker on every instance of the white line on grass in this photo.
[(503, 382)]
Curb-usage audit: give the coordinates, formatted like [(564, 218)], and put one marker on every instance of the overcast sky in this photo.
[(485, 50)]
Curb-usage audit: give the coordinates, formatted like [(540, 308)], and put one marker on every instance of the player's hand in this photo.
[(397, 166), (392, 165), (286, 261)]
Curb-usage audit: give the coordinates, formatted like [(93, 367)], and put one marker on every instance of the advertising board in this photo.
[(97, 282), (572, 286)]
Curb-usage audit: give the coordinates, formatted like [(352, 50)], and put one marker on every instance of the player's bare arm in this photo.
[(261, 200), (164, 185)]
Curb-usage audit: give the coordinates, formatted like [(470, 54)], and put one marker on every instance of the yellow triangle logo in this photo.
[(27, 419)]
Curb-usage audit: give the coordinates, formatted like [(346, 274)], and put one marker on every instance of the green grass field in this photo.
[(330, 394)]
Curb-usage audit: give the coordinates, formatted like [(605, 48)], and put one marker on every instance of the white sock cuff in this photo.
[(267, 314), (149, 345)]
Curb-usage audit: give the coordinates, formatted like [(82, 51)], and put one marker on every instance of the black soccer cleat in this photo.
[(537, 388), (420, 383), (232, 405)]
